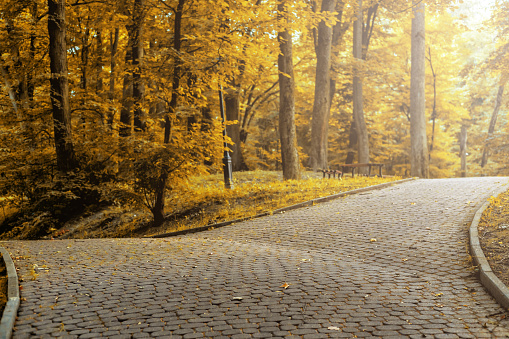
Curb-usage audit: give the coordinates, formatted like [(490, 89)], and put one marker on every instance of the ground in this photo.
[(200, 202), (494, 235), (3, 286)]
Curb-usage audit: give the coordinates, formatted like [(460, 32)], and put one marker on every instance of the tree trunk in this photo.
[(364, 38), (321, 105), (19, 91), (352, 142), (434, 111), (100, 63), (137, 54), (85, 51), (463, 150), (127, 92), (419, 159), (232, 111), (358, 109), (491, 129), (287, 132), (59, 93), (160, 191), (113, 64)]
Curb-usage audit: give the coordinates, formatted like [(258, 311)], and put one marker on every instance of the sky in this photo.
[(476, 11)]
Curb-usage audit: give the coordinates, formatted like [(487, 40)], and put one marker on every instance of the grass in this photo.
[(205, 201), (494, 235)]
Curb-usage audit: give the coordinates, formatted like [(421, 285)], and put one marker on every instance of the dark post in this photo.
[(227, 160)]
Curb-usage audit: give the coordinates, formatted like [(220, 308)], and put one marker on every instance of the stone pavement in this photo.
[(387, 263)]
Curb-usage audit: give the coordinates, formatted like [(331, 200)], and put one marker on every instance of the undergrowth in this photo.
[(205, 201), (202, 201)]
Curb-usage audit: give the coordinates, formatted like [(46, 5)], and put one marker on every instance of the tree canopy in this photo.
[(140, 113)]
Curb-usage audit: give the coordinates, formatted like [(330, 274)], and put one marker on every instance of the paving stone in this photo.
[(414, 281)]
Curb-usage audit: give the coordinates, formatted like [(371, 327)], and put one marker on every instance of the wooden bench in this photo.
[(333, 172), (346, 167)]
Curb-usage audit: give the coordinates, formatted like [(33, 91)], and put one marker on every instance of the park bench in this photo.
[(346, 167), (332, 172)]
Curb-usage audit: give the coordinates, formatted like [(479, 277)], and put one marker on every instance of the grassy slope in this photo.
[(204, 201)]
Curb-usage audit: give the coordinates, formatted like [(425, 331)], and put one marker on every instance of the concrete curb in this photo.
[(11, 308), (495, 287), (282, 210)]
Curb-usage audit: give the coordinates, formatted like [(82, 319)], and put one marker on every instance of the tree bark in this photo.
[(463, 150), (59, 93), (113, 63), (160, 192), (232, 111), (99, 86), (137, 54), (358, 109), (491, 128), (85, 52), (287, 131), (321, 105), (434, 111), (127, 91), (419, 159)]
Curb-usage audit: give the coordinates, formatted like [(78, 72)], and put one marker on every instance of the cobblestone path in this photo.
[(386, 263)]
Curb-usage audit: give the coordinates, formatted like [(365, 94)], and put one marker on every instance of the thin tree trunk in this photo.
[(366, 29), (463, 150), (127, 91), (419, 159), (113, 63), (358, 109), (100, 63), (434, 112), (352, 143), (287, 132), (137, 54), (59, 93), (85, 49), (321, 105), (160, 193), (232, 111), (491, 128), (18, 90)]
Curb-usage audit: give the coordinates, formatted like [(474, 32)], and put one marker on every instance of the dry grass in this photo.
[(205, 201), (494, 235)]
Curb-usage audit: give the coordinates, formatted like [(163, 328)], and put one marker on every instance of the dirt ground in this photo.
[(3, 286), (494, 236)]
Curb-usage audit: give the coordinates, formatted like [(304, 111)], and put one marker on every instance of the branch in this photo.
[(406, 9)]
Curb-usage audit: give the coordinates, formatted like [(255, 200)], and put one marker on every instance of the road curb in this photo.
[(282, 210), (490, 281), (11, 308)]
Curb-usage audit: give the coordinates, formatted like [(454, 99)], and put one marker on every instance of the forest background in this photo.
[(117, 102)]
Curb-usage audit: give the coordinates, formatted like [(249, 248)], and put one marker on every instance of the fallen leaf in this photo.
[(285, 286), (372, 240)]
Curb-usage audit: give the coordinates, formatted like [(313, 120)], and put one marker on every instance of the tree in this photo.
[(288, 137), (419, 159), (358, 110), (491, 128), (59, 92), (321, 105)]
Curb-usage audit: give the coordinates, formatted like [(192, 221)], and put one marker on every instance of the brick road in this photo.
[(315, 272)]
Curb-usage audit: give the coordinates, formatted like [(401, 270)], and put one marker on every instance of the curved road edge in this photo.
[(282, 210), (11, 308), (489, 280)]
